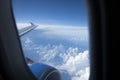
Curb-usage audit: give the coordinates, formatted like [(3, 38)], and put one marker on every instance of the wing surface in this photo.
[(27, 29)]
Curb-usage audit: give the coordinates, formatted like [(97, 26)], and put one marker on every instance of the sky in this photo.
[(55, 12)]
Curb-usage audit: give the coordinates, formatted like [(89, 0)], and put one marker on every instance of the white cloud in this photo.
[(27, 41), (82, 74), (72, 33), (76, 63)]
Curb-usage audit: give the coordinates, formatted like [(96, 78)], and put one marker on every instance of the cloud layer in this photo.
[(75, 63), (72, 33)]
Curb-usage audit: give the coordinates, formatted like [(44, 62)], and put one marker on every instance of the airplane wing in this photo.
[(26, 29)]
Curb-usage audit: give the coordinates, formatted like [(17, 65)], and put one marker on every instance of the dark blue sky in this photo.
[(56, 12)]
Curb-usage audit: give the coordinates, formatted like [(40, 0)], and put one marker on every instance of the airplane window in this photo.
[(55, 32)]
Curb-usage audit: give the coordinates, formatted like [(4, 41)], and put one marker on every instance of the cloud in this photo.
[(71, 33), (77, 65), (82, 74), (71, 59)]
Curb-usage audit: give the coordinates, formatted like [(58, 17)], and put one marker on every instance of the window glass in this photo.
[(55, 32)]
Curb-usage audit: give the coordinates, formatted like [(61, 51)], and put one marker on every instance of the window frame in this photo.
[(11, 52)]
